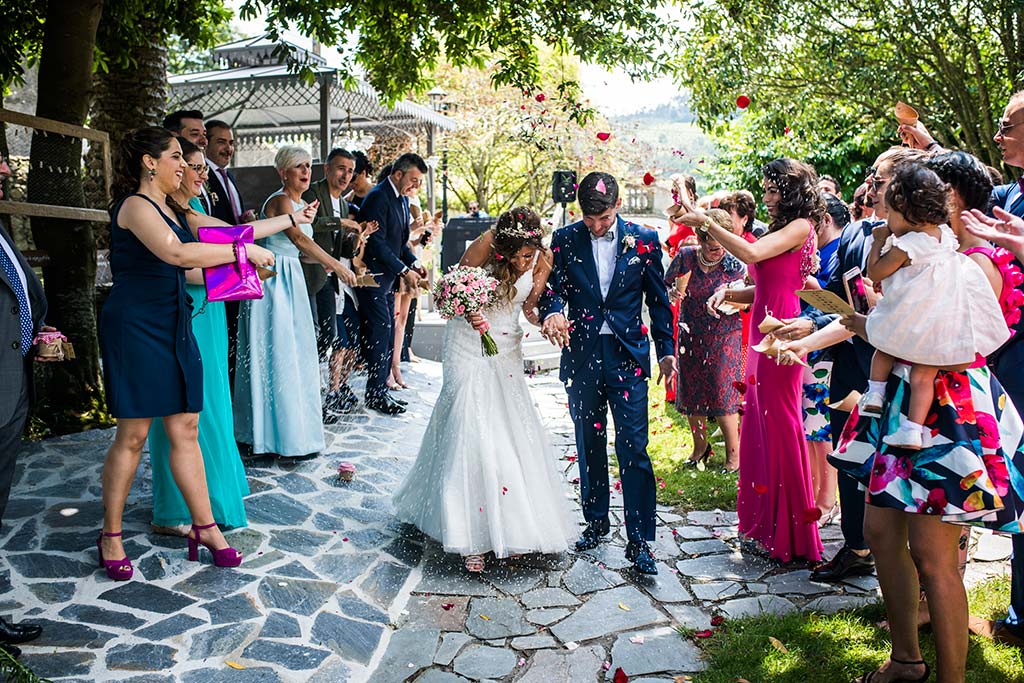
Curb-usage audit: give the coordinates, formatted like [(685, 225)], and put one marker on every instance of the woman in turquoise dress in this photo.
[(225, 476), (277, 377)]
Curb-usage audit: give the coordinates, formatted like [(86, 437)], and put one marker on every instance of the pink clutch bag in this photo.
[(231, 281)]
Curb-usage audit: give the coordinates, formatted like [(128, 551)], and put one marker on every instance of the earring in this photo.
[(152, 174)]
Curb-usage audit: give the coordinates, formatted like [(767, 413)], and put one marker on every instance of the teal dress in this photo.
[(277, 373), (225, 476)]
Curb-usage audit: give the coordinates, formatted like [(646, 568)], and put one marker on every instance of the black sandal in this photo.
[(870, 677)]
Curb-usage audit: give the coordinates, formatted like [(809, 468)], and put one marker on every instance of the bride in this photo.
[(485, 478)]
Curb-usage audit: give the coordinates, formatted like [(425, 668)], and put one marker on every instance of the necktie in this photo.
[(1020, 183), (24, 317), (227, 191)]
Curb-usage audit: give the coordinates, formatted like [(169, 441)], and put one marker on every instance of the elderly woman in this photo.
[(710, 357), (277, 397)]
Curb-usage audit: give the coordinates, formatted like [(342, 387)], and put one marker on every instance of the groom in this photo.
[(603, 269)]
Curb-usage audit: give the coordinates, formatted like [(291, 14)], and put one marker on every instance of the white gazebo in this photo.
[(267, 104)]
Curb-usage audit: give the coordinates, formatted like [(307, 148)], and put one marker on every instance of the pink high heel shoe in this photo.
[(117, 570), (225, 557)]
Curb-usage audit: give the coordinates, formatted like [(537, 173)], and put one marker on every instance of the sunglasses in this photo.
[(200, 169), (877, 183), (1004, 128)]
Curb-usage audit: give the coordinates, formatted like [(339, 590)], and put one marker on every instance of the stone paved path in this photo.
[(334, 588)]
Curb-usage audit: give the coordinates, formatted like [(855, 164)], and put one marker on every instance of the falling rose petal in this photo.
[(504, 490), (701, 161), (675, 532), (717, 620), (742, 101), (787, 131), (603, 137), (642, 248), (648, 179), (739, 386), (704, 634), (760, 489), (625, 395), (661, 484), (597, 425), (601, 187), (447, 606), (812, 515), (540, 97), (345, 539), (638, 372), (644, 329), (620, 676), (571, 458)]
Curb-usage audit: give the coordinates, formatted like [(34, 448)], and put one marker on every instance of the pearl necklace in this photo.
[(706, 262)]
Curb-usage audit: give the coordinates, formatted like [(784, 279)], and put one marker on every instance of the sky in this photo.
[(612, 92)]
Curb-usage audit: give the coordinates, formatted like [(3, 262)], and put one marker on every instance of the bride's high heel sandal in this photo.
[(117, 570), (474, 563), (224, 557)]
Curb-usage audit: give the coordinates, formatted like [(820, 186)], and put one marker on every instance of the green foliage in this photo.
[(398, 42), (840, 647), (21, 37), (13, 671), (831, 73)]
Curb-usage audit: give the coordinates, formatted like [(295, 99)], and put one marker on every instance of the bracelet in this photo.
[(931, 144), (234, 249), (292, 219)]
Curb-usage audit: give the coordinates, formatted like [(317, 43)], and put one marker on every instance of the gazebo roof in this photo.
[(259, 96)]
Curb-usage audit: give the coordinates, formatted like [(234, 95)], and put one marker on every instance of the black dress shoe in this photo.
[(18, 633), (11, 650), (591, 536), (845, 563), (639, 553), (385, 405), (398, 400)]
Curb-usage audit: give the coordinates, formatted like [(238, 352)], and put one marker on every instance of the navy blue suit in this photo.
[(387, 252), (602, 369), (1008, 365)]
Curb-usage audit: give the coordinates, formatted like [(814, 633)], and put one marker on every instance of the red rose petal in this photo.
[(742, 101), (447, 606), (620, 676), (739, 386), (760, 489), (648, 179), (812, 515), (717, 620), (603, 137), (704, 634), (540, 97), (644, 329)]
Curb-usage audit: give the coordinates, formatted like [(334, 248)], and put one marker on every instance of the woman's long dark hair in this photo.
[(515, 229), (966, 175), (151, 140), (799, 196)]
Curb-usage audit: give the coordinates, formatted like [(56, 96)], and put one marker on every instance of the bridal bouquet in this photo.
[(462, 291)]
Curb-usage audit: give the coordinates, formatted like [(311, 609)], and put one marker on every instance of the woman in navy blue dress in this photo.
[(151, 362)]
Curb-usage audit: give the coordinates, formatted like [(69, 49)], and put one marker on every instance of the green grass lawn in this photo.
[(669, 447), (840, 647)]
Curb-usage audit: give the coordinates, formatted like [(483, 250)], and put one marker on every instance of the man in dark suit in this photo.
[(387, 252), (1008, 365), (22, 308), (225, 203), (604, 269)]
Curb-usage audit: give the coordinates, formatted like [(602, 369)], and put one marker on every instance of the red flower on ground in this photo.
[(620, 676)]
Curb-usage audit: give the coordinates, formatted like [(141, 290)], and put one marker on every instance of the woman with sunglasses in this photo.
[(225, 476)]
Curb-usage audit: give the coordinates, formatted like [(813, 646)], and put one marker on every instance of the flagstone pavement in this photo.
[(335, 588)]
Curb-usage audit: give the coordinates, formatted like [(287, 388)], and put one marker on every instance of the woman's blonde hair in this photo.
[(290, 156)]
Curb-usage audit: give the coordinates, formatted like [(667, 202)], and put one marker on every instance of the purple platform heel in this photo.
[(118, 570), (225, 557)]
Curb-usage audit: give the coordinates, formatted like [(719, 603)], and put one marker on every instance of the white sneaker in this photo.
[(870, 404), (907, 436)]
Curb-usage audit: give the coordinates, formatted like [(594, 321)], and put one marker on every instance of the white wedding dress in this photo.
[(485, 478)]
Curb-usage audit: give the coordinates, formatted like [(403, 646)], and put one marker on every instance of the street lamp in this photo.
[(438, 100)]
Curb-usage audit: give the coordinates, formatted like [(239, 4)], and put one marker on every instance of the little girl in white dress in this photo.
[(937, 310)]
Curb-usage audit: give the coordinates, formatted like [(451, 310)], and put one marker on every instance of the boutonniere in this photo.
[(212, 195), (628, 242)]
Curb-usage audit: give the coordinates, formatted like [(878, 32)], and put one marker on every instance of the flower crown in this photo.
[(518, 229)]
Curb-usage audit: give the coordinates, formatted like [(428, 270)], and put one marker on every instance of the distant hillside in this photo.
[(678, 144)]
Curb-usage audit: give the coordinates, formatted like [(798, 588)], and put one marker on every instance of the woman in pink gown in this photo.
[(776, 501)]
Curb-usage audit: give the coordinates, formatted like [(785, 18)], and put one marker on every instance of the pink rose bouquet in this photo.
[(462, 291)]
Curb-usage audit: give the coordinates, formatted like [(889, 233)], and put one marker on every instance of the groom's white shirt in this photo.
[(604, 258)]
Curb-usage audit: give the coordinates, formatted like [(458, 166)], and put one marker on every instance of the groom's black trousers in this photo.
[(610, 378)]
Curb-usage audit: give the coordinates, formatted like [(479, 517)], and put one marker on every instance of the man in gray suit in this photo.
[(22, 308)]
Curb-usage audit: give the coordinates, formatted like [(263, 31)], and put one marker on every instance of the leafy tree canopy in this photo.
[(822, 78), (398, 42)]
